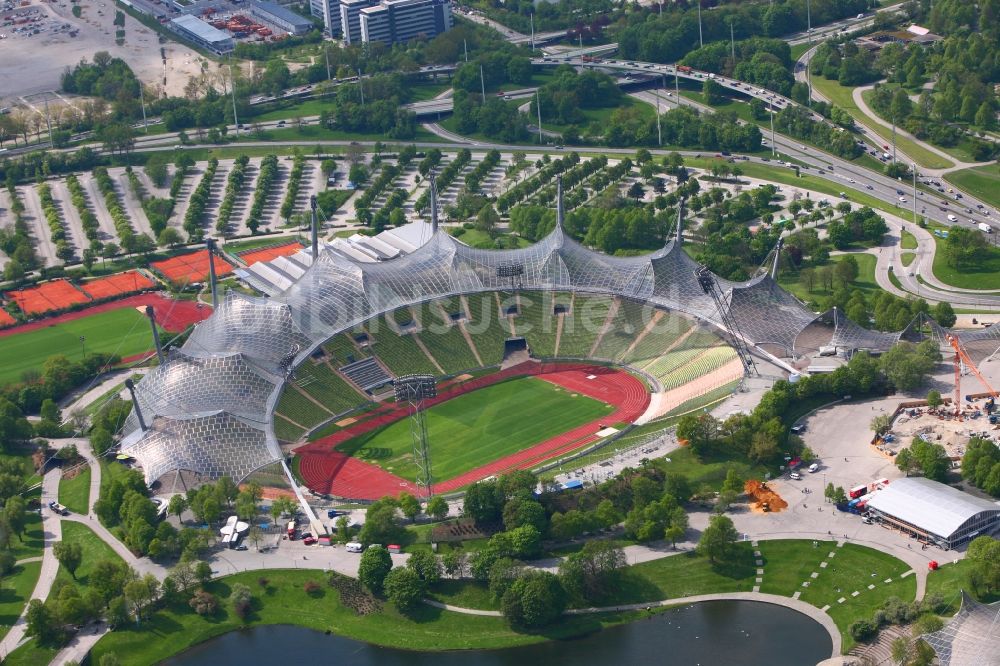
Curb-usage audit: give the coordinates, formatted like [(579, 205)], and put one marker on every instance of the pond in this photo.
[(714, 632)]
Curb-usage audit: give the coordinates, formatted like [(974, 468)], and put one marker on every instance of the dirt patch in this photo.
[(762, 498), (462, 530), (343, 423)]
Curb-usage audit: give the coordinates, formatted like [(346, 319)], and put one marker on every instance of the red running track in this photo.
[(327, 470), (172, 315)]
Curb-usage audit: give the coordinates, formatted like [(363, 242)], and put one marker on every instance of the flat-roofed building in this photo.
[(399, 21), (329, 12), (280, 17), (203, 34)]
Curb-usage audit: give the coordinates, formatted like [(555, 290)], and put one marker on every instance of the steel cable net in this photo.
[(849, 335), (971, 638), (262, 330), (234, 365), (767, 314), (214, 445)]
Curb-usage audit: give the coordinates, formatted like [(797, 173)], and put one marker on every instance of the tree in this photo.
[(901, 650), (404, 588), (455, 563), (169, 237), (204, 603), (426, 565), (437, 507), (177, 505), (41, 622), (241, 598), (933, 398), (203, 572), (409, 505), (944, 314), (534, 600), (881, 424), (718, 540), (15, 515), (483, 502), (488, 220), (374, 567), (69, 554), (591, 573)]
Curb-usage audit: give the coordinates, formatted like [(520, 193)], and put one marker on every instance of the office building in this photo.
[(399, 21), (350, 19), (329, 12)]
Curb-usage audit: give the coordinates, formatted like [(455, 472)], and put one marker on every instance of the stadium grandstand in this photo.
[(340, 325)]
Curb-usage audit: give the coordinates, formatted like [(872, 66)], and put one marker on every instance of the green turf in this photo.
[(31, 654), (908, 241), (15, 591), (124, 332), (949, 581), (476, 428), (981, 182), (93, 547), (74, 493), (866, 279), (30, 543), (907, 258), (984, 275), (176, 627), (841, 97)]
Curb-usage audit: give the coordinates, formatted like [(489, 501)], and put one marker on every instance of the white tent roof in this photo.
[(931, 506)]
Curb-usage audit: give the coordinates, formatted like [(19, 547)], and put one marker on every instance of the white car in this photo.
[(795, 475)]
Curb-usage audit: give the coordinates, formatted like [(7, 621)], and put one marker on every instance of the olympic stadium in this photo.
[(321, 354)]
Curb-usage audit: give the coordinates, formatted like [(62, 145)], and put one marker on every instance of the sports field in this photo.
[(476, 428), (122, 331)]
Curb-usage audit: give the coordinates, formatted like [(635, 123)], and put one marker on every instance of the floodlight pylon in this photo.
[(414, 390)]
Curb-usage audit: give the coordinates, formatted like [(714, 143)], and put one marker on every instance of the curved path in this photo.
[(857, 94), (802, 607)]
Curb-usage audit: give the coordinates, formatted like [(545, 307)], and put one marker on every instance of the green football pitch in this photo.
[(124, 332), (479, 427)]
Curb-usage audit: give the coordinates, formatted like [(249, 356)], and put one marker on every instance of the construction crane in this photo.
[(962, 357)]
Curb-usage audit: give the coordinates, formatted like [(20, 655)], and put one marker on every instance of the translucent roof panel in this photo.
[(214, 446), (971, 638), (929, 505)]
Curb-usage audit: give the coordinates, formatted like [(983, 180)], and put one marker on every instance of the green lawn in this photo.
[(124, 332), (74, 493), (790, 563), (255, 243), (177, 627), (31, 654), (981, 182), (908, 241), (601, 115), (985, 275), (949, 581), (14, 593), (463, 593), (478, 427), (865, 282), (841, 97), (317, 133), (481, 239), (907, 258), (711, 471), (30, 544), (93, 547)]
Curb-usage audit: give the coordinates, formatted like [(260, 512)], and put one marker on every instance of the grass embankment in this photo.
[(842, 97), (94, 550), (481, 426), (177, 627), (74, 493), (865, 282), (124, 332), (790, 563), (907, 258), (908, 241), (255, 243), (981, 182), (984, 275), (949, 581), (15, 592), (481, 239)]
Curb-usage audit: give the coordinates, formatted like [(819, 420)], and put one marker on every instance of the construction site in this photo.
[(952, 422)]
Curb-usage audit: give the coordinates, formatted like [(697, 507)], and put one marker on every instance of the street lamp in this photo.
[(83, 346)]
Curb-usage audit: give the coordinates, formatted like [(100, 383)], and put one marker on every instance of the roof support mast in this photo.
[(962, 357)]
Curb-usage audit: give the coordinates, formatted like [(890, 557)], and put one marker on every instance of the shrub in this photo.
[(311, 587), (204, 603)]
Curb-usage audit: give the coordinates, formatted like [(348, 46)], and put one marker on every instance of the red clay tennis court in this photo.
[(54, 295), (268, 253), (191, 267), (117, 285), (6, 320)]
